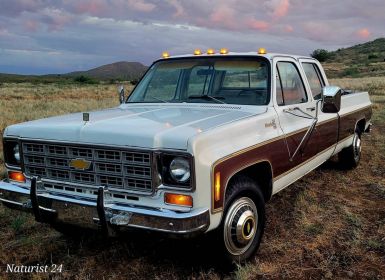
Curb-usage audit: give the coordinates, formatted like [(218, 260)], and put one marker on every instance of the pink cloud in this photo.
[(31, 25), (141, 6), (258, 24), (91, 7), (279, 8), (363, 33), (224, 16), (282, 9), (56, 19), (288, 28)]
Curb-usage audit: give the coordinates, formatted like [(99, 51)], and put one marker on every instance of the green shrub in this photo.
[(85, 80), (372, 56), (351, 71), (321, 55)]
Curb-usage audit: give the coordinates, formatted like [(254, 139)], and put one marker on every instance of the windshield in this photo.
[(232, 80)]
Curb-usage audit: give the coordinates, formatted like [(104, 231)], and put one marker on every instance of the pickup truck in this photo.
[(200, 145)]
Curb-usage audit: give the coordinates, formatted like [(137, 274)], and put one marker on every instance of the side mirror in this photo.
[(121, 94), (331, 99)]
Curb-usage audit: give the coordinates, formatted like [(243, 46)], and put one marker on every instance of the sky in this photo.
[(52, 36)]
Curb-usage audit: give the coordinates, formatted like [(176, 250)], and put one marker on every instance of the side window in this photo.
[(314, 78), (291, 84)]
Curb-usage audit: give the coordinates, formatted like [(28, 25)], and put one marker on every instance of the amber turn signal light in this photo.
[(178, 199), (16, 176)]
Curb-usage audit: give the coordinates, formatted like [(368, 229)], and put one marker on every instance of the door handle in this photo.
[(311, 109)]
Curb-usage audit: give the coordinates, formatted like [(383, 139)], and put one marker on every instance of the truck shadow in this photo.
[(150, 248)]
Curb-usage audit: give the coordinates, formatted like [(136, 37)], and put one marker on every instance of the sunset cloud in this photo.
[(363, 33), (281, 9), (96, 32), (258, 24)]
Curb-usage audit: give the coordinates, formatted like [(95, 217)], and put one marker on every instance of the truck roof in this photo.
[(255, 53)]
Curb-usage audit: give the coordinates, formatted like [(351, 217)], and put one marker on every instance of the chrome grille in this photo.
[(123, 170)]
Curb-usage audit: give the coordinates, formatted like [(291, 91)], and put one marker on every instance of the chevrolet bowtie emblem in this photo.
[(79, 163)]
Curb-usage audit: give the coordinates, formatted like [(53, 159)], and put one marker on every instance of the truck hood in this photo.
[(136, 125)]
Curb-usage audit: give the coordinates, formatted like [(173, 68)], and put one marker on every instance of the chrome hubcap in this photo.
[(357, 147), (240, 225)]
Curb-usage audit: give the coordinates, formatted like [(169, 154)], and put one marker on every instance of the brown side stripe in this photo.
[(274, 151)]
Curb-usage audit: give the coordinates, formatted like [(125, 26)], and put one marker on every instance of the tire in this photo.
[(243, 221), (349, 157)]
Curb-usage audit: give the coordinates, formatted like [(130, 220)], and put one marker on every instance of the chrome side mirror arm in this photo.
[(308, 133), (121, 94)]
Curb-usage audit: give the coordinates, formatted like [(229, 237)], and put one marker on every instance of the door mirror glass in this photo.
[(331, 99), (121, 93)]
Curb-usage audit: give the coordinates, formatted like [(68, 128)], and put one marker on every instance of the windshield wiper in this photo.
[(207, 97)]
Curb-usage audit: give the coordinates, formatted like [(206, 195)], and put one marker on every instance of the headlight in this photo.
[(16, 153), (12, 152), (176, 170), (180, 169)]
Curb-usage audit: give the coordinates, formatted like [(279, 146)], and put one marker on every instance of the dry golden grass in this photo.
[(330, 224), (25, 102)]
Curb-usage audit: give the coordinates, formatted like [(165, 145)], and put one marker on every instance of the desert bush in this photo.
[(320, 54), (85, 80)]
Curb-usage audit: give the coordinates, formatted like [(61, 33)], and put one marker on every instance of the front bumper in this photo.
[(54, 208)]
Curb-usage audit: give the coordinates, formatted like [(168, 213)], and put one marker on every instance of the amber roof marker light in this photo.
[(210, 51), (165, 54), (197, 52), (262, 51), (224, 51)]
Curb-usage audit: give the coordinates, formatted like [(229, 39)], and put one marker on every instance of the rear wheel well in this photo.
[(262, 174)]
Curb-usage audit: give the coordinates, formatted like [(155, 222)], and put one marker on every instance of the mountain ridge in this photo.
[(121, 70), (361, 60)]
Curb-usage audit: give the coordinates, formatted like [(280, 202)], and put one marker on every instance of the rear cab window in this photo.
[(314, 78)]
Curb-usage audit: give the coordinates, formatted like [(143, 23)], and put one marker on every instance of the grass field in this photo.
[(328, 225)]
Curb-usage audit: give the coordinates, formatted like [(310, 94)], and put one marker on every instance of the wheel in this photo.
[(243, 221), (350, 157)]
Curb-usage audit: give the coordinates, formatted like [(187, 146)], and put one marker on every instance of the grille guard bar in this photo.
[(51, 208)]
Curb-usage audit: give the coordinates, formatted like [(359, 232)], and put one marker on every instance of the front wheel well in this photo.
[(262, 174), (360, 126)]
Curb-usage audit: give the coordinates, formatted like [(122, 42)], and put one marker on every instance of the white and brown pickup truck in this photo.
[(200, 145)]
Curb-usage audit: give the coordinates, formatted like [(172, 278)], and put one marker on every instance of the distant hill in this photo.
[(367, 59), (123, 70)]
